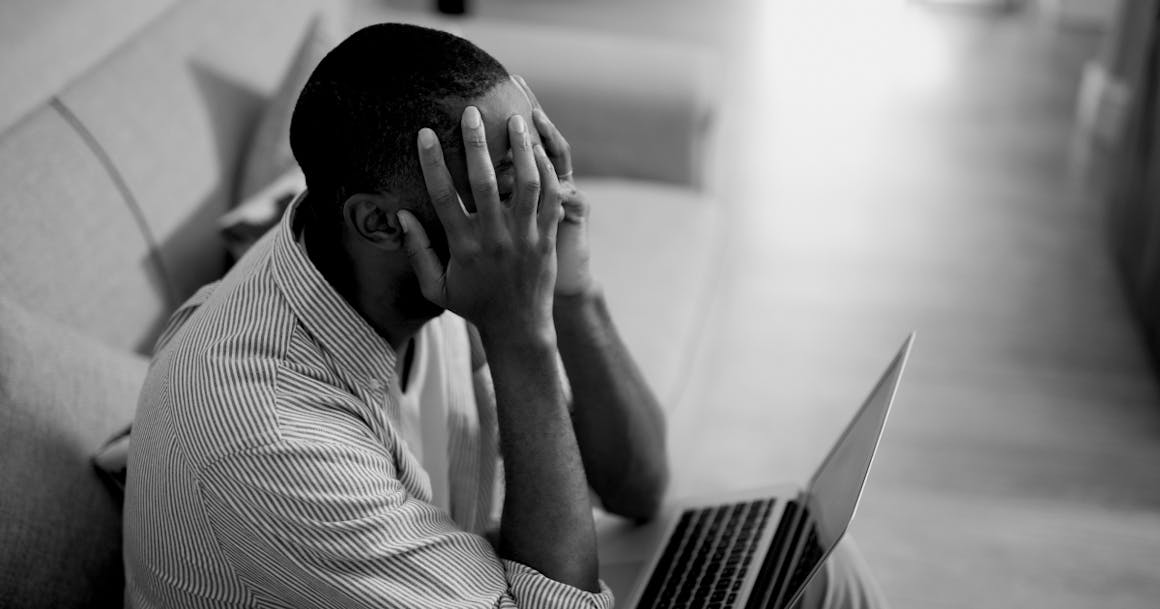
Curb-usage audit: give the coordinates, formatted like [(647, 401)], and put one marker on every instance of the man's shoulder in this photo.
[(245, 295), (218, 366), (229, 324), (227, 393)]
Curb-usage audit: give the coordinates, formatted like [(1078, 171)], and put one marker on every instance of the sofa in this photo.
[(122, 128)]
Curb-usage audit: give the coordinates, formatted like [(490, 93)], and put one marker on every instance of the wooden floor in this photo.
[(911, 171), (888, 170)]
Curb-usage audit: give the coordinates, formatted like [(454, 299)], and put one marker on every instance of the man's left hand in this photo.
[(572, 254)]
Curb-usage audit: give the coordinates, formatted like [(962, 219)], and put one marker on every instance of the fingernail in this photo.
[(471, 115), (426, 138), (518, 123), (403, 222)]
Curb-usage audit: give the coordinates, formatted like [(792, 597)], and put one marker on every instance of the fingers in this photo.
[(526, 196), (480, 173), (559, 151), (550, 210), (423, 259), (576, 208), (439, 185)]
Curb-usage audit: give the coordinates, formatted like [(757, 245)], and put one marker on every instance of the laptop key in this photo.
[(707, 557)]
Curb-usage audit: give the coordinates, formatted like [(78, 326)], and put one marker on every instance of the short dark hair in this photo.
[(355, 124)]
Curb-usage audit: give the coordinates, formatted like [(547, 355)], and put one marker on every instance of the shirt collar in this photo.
[(338, 328)]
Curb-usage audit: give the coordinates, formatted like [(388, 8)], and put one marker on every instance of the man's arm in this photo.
[(323, 520), (500, 275), (618, 422), (547, 519)]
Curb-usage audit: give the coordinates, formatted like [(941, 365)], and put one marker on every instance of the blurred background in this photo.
[(782, 190)]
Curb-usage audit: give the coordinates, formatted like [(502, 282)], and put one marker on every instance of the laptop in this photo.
[(751, 550)]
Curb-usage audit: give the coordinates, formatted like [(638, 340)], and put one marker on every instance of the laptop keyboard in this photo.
[(811, 554), (707, 557)]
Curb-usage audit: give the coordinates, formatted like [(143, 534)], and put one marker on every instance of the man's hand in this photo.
[(502, 265), (574, 276)]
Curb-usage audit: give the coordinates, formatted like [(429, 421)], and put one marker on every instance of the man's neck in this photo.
[(375, 304)]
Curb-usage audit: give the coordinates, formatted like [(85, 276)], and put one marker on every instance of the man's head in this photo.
[(354, 134), (355, 123)]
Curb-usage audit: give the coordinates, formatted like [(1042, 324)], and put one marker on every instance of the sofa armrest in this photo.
[(629, 108)]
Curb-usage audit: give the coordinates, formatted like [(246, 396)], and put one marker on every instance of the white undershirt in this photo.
[(408, 399), (423, 410)]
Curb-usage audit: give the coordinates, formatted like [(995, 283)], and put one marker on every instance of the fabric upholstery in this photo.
[(243, 225), (630, 108), (654, 249), (174, 109), (62, 395), (269, 156), (48, 44), (112, 462), (70, 247)]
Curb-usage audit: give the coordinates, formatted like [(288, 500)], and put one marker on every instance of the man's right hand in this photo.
[(502, 267)]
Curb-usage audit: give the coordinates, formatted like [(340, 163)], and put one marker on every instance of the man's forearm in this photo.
[(618, 422), (547, 518)]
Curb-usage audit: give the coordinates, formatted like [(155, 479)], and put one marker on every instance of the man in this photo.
[(275, 459), (323, 427)]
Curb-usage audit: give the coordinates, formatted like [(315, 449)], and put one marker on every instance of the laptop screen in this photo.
[(833, 492)]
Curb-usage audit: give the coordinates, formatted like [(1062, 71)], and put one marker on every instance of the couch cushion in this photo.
[(246, 223), (174, 109), (654, 249), (269, 155), (62, 395), (70, 247), (632, 108)]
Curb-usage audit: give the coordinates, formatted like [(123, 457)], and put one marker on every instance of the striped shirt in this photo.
[(268, 466)]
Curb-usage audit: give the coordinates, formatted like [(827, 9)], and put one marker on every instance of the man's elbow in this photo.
[(641, 496)]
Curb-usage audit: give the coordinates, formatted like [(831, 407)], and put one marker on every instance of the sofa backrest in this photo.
[(112, 184), (49, 44)]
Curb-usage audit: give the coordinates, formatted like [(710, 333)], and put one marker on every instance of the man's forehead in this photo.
[(497, 106), (503, 101), (523, 93)]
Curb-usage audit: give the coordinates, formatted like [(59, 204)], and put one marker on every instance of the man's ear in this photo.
[(372, 217)]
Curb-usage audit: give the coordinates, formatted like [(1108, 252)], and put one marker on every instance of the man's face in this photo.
[(498, 105)]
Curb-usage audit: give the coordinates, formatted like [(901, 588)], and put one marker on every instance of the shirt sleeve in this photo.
[(323, 524)]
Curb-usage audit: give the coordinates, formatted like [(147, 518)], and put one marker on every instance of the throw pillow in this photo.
[(112, 462), (242, 226), (62, 394), (269, 155)]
